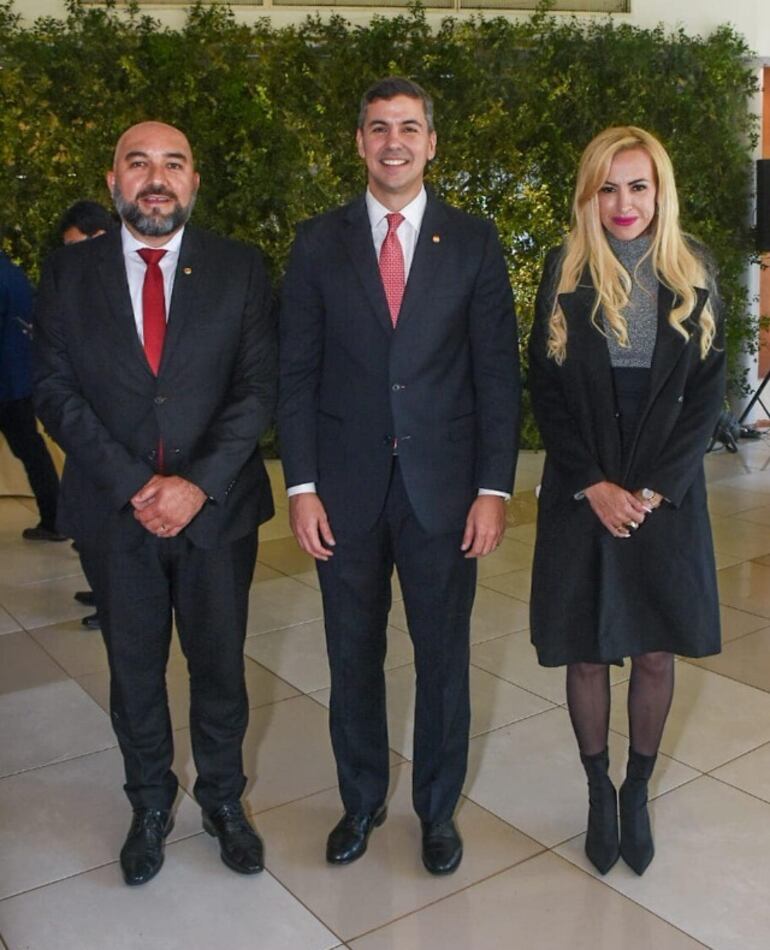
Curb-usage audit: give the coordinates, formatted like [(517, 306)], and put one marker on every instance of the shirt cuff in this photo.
[(492, 491), (304, 488)]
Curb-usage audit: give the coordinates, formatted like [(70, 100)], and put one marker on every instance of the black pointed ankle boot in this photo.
[(602, 835), (636, 844)]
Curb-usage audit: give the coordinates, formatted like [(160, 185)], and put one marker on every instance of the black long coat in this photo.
[(596, 598)]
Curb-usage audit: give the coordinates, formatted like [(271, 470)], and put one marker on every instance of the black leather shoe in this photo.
[(91, 622), (349, 837), (141, 857), (442, 847), (85, 597), (39, 533), (239, 844)]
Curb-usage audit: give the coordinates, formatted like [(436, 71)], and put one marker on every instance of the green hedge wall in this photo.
[(271, 114)]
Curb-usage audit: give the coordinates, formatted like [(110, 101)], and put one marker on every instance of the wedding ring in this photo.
[(633, 524)]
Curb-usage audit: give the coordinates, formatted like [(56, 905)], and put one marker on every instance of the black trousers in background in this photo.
[(438, 585), (18, 425), (207, 590)]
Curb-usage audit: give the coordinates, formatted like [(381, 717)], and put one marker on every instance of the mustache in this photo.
[(156, 190)]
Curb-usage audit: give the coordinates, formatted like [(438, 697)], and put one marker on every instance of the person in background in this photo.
[(80, 222), (83, 220), (17, 414), (627, 376)]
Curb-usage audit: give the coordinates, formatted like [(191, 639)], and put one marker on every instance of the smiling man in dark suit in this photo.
[(156, 373), (398, 414)]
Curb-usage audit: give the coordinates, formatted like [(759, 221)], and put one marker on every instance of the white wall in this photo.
[(749, 17)]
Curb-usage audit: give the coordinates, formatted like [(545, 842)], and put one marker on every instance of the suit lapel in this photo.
[(187, 282), (586, 344), (669, 345), (427, 255), (357, 240), (112, 274)]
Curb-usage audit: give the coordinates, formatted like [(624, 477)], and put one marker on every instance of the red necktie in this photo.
[(153, 307), (392, 266), (153, 317)]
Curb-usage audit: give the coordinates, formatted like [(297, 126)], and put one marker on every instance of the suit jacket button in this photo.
[(680, 399), (159, 400), (396, 387)]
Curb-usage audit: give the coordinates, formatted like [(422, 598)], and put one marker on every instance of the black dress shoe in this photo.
[(442, 847), (40, 533), (349, 837), (91, 622), (141, 857), (86, 597), (239, 844)]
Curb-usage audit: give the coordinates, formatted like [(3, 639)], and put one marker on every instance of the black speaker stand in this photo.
[(756, 398)]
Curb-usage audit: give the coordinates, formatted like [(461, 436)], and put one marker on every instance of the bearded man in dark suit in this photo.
[(398, 416), (156, 372)]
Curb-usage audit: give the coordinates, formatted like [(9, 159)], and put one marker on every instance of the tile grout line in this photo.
[(445, 897), (727, 676), (632, 900)]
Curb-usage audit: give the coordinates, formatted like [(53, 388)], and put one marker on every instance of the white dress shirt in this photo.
[(408, 232), (136, 268)]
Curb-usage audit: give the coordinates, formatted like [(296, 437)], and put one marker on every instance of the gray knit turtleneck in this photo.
[(641, 312)]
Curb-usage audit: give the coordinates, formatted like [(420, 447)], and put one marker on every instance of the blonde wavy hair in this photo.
[(674, 263)]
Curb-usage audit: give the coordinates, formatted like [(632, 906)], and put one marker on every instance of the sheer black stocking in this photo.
[(588, 701), (649, 699)]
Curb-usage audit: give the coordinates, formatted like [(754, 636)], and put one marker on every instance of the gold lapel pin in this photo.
[(437, 239), (187, 270)]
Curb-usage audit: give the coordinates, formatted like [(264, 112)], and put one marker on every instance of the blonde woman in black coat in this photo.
[(627, 381)]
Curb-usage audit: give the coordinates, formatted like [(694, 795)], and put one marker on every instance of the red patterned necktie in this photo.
[(153, 307), (392, 266), (153, 317)]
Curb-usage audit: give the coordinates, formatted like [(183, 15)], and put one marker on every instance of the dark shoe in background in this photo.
[(141, 857), (39, 533), (86, 598), (350, 836), (442, 847), (91, 622), (239, 845)]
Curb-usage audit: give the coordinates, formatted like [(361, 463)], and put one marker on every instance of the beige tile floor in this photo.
[(524, 883)]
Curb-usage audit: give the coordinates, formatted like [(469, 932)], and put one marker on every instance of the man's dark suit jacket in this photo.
[(444, 383), (213, 398)]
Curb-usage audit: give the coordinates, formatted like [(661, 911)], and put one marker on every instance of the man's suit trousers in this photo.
[(18, 425), (206, 591), (438, 585)]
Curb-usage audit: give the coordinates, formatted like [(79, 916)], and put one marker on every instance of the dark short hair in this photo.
[(88, 217), (389, 88)]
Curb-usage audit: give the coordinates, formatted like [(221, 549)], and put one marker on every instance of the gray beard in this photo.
[(151, 225)]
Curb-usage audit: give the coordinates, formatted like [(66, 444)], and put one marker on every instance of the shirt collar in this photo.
[(413, 212), (130, 243)]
